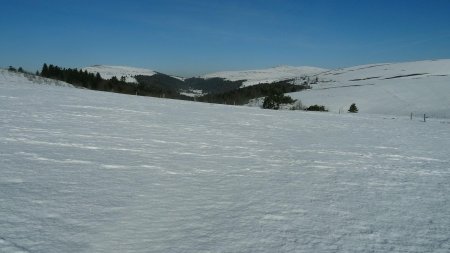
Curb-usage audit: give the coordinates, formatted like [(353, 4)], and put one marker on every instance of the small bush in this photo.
[(353, 108), (317, 108)]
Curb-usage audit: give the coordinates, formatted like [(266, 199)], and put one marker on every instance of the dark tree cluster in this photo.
[(243, 95), (210, 85), (20, 69), (275, 99), (214, 85), (317, 108), (80, 78), (73, 76), (161, 85)]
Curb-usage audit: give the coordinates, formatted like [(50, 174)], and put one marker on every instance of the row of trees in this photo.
[(242, 96), (80, 78), (278, 99), (74, 76), (20, 70)]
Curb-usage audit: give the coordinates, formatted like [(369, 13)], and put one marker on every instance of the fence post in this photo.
[(424, 118), (411, 116)]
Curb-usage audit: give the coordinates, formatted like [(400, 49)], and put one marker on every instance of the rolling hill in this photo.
[(421, 87), (270, 75), (107, 72), (19, 78)]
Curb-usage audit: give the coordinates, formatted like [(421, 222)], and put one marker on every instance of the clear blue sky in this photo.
[(194, 37)]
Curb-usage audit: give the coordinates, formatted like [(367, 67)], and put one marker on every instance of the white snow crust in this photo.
[(88, 171), (107, 72), (270, 75), (421, 87)]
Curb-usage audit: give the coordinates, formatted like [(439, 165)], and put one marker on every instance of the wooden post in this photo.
[(424, 118), (411, 116)]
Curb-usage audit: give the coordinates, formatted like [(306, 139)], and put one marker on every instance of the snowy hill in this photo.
[(389, 88), (9, 77), (266, 75), (89, 171), (107, 72)]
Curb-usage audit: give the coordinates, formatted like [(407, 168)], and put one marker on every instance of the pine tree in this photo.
[(353, 108), (275, 99), (44, 71)]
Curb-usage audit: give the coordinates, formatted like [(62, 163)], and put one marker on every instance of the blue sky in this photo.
[(195, 37)]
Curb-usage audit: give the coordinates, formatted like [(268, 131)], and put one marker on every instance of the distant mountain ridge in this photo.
[(420, 87), (107, 72), (269, 75), (210, 83)]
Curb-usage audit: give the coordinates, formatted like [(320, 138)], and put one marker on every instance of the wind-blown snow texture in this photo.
[(86, 171)]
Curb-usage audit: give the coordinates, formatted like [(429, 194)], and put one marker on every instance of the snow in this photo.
[(391, 88), (270, 75), (192, 93), (88, 171), (107, 72), (18, 78)]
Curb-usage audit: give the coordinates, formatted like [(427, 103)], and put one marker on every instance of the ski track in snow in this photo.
[(86, 171)]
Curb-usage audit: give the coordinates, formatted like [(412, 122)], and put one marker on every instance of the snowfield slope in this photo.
[(270, 75), (87, 171), (10, 78), (390, 88), (107, 72)]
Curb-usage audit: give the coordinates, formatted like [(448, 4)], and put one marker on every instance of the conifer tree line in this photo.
[(13, 69), (72, 76), (80, 78)]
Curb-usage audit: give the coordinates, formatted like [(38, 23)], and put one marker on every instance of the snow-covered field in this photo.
[(107, 72), (270, 75), (86, 171), (391, 88)]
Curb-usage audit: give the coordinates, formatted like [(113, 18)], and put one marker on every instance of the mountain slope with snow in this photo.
[(421, 87), (10, 77), (89, 171), (107, 72), (270, 75)]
